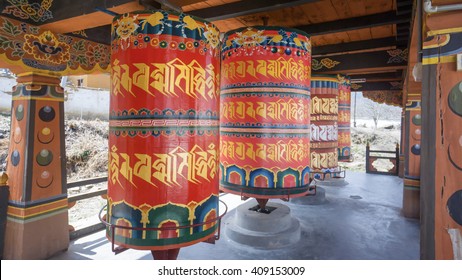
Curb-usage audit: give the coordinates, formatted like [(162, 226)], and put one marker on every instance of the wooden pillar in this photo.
[(412, 136), (441, 168), (37, 225), (401, 145)]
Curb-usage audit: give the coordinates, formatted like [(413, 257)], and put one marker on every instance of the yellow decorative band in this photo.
[(444, 31), (58, 99), (437, 60), (31, 212), (325, 79), (49, 74), (412, 182)]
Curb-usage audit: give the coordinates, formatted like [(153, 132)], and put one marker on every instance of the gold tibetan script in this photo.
[(344, 117), (169, 79), (324, 160), (170, 169), (344, 138), (278, 152), (324, 105), (279, 68), (344, 96), (280, 109)]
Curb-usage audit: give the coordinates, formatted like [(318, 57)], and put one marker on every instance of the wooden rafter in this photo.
[(246, 7), (353, 23)]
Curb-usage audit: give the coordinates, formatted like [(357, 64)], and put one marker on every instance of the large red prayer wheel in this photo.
[(324, 127), (264, 124), (344, 113), (164, 130)]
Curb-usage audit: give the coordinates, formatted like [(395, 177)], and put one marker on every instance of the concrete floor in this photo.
[(361, 221)]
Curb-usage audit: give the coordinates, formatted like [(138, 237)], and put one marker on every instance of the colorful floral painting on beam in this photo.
[(393, 98), (25, 47)]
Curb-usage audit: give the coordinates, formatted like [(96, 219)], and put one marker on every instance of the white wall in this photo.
[(6, 86), (85, 103)]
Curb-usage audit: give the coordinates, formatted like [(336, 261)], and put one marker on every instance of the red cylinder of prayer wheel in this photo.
[(324, 127), (344, 104), (164, 130), (264, 124)]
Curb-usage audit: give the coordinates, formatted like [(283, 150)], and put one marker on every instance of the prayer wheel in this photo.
[(164, 131), (324, 126), (264, 117), (344, 104)]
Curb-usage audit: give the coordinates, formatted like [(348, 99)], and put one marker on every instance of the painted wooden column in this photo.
[(441, 153), (412, 137), (37, 225), (401, 145)]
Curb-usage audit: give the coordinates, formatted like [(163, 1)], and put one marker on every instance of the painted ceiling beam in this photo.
[(355, 46), (380, 77), (245, 7), (65, 9), (375, 86), (355, 23), (351, 63)]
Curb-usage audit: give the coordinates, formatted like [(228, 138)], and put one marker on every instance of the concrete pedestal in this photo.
[(263, 231), (332, 182), (318, 199)]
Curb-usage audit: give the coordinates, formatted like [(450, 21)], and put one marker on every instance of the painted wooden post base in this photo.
[(411, 198), (37, 222), (401, 166), (412, 139)]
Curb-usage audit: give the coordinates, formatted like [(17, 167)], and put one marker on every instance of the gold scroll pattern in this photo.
[(324, 106), (277, 110), (324, 160), (169, 79), (195, 166), (281, 151), (278, 69)]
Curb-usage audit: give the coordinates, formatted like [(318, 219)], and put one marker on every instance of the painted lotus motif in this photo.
[(46, 47)]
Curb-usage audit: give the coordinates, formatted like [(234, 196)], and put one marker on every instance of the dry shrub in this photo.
[(86, 148)]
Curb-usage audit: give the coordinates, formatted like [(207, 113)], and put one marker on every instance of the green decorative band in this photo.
[(412, 188), (177, 242), (38, 92), (37, 217), (250, 191)]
